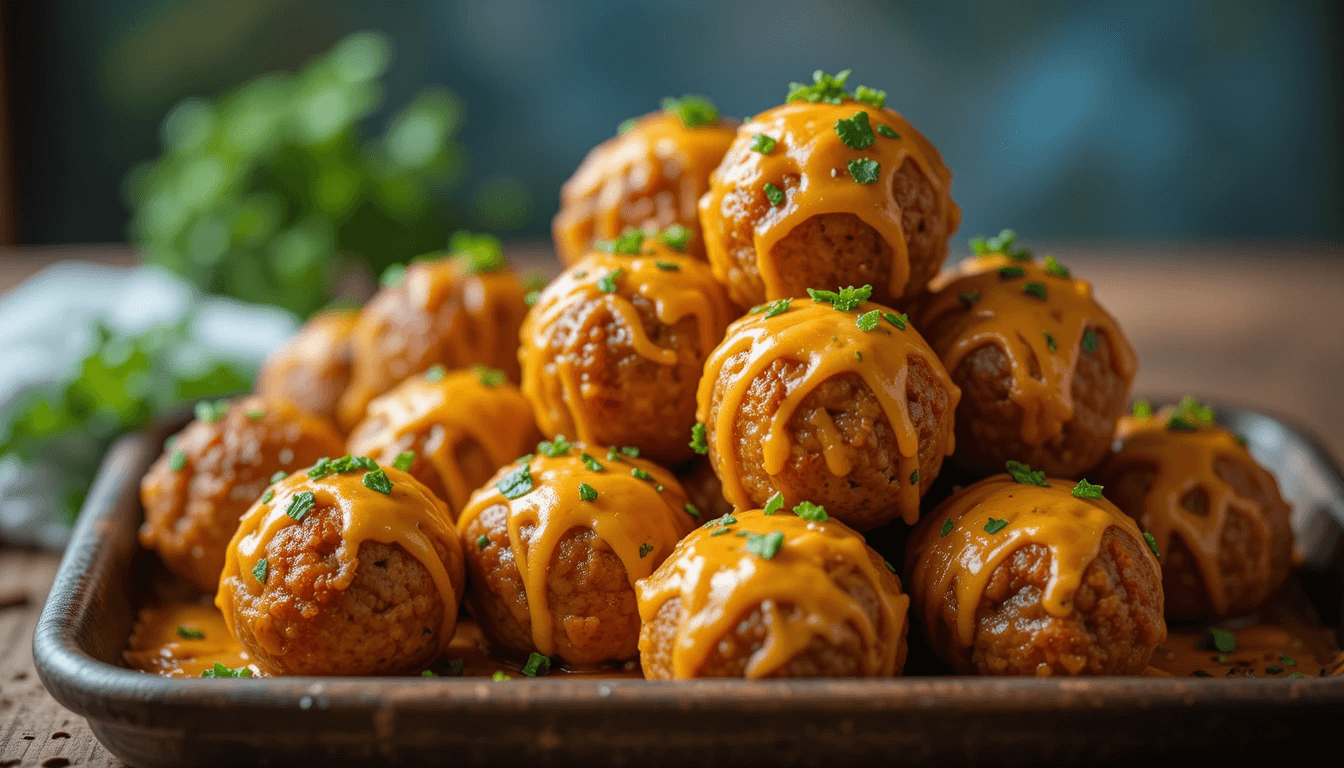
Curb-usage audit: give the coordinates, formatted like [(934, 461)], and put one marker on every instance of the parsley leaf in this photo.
[(627, 125), (694, 110), (587, 492), (404, 461), (1050, 341), (177, 461), (947, 527), (1037, 290), (1089, 341), (667, 266), (219, 670), (644, 550), (1190, 415), (1151, 542), (886, 130), (855, 131), (763, 144), (774, 194), (1054, 268), (479, 252), (516, 484), (824, 87), (774, 504), (190, 633), (376, 480), (1010, 272), (300, 504), (813, 513), (1142, 409), (1086, 490), (675, 236), (698, 443), (554, 449), (868, 320), (691, 509), (772, 309), (870, 96), (537, 665), (593, 465), (764, 545), (482, 541), (864, 170), (994, 525), (607, 283), (897, 320), (435, 373), (845, 299), (490, 377), (261, 569), (1021, 473)]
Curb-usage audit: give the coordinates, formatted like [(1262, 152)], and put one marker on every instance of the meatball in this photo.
[(649, 177), (349, 569), (212, 471), (813, 211), (801, 400), (704, 489), (1044, 370), (455, 312), (1217, 517), (1026, 578), (755, 594), (555, 544), (459, 427), (312, 369), (615, 346)]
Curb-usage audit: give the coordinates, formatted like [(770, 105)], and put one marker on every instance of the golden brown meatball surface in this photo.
[(213, 470), (330, 576), (1013, 578), (1220, 525), (312, 369), (649, 177), (756, 595), (459, 427), (615, 347), (1044, 370), (554, 546), (801, 400), (815, 211)]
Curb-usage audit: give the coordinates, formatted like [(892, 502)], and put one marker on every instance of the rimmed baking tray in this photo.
[(155, 721)]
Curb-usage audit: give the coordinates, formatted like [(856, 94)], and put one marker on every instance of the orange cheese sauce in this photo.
[(157, 646), (409, 515), (719, 583), (437, 418), (1282, 649), (648, 178), (963, 560), (1004, 315), (808, 148), (639, 523), (553, 344), (829, 343)]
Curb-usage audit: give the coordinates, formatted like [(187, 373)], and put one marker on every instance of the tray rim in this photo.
[(114, 695)]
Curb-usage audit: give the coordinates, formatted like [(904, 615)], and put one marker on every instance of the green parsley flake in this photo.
[(489, 377), (667, 266), (267, 496), (554, 449), (897, 320), (177, 461), (723, 522), (1002, 244), (377, 481), (1086, 490), (1151, 542), (777, 307), (427, 673), (640, 474), (278, 476), (889, 566), (1054, 268), (864, 170), (537, 665), (212, 411), (699, 443), (764, 545), (190, 633), (1289, 660), (393, 276), (627, 125), (1224, 640), (630, 450), (644, 550), (404, 461), (1011, 272), (813, 513), (590, 463), (256, 414), (994, 525), (525, 458), (435, 373), (774, 504), (363, 462), (675, 236), (720, 531), (870, 96), (1189, 415), (868, 320), (607, 283), (612, 455), (1143, 409), (1036, 290), (321, 469), (219, 670), (1089, 341), (1050, 341), (914, 477), (886, 130), (516, 484), (969, 298), (774, 194), (947, 527), (858, 356), (587, 492), (482, 541), (763, 144), (691, 509), (300, 504), (531, 298), (261, 569), (478, 252), (855, 131), (500, 677), (1021, 473), (845, 299), (695, 111), (824, 87), (630, 243)]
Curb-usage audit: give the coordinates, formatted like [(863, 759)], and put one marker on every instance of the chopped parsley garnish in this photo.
[(720, 531), (516, 484), (691, 509), (722, 522), (377, 481), (947, 527), (479, 252), (177, 461), (627, 125), (1021, 473), (525, 458), (1054, 268), (824, 87), (261, 569), (1224, 640), (630, 243), (698, 443), (300, 504), (267, 496), (914, 477), (1001, 244), (435, 373), (489, 377), (1050, 341), (1143, 409), (864, 170), (889, 566), (845, 299), (278, 476), (675, 236), (858, 356), (774, 504), (694, 110), (607, 282), (855, 131), (763, 144), (995, 525), (1288, 660), (774, 194), (531, 298), (590, 463), (897, 320), (813, 513), (500, 677), (537, 665), (667, 266), (644, 550), (321, 469), (190, 633), (1151, 542), (219, 670), (554, 449), (211, 411), (764, 544), (774, 308), (612, 455), (870, 96), (1037, 290), (1089, 341), (1010, 272), (1086, 490), (629, 450), (969, 298), (394, 275), (404, 461), (482, 541), (886, 130), (587, 492), (641, 474), (868, 320), (256, 414), (1190, 415), (427, 673)]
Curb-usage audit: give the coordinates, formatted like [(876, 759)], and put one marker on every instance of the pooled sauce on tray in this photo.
[(1282, 649)]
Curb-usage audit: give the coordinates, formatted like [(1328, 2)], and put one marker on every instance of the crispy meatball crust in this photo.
[(191, 513), (312, 369)]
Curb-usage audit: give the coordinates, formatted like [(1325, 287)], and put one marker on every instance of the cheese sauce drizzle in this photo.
[(184, 640), (1003, 314), (409, 515), (964, 559), (719, 583), (629, 515), (828, 343)]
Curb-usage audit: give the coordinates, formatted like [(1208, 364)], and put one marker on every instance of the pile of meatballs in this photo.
[(670, 455)]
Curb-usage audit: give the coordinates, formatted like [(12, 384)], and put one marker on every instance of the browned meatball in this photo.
[(614, 348), (212, 471), (331, 575), (458, 426), (796, 217), (312, 369), (649, 177), (455, 312), (554, 547), (756, 595), (1216, 515), (804, 402), (1015, 578), (704, 489), (1044, 370)]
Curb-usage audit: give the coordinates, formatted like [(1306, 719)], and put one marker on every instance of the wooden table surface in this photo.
[(1261, 326)]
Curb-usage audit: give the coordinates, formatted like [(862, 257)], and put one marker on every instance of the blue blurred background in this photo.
[(1144, 119)]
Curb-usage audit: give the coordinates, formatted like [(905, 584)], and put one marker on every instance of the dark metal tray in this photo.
[(155, 721)]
